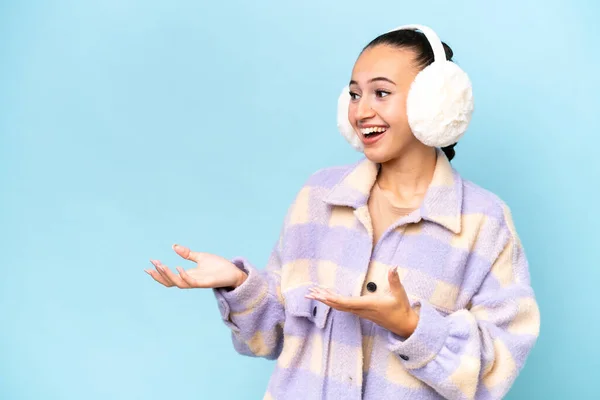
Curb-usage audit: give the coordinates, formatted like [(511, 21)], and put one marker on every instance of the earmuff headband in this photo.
[(436, 44), (439, 102)]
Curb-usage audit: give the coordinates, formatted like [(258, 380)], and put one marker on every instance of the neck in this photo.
[(408, 176)]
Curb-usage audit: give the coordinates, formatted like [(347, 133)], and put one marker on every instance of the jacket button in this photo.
[(315, 311), (404, 357), (371, 287)]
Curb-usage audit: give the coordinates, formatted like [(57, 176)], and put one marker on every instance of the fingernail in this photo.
[(175, 246)]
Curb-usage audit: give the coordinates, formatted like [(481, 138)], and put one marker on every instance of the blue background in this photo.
[(127, 126)]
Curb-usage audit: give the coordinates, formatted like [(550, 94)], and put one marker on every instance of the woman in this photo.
[(393, 277)]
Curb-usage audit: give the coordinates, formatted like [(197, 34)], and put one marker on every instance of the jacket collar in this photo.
[(442, 203)]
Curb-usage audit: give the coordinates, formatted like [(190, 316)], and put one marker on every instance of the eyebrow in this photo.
[(379, 78)]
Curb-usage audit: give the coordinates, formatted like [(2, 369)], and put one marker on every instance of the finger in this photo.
[(158, 277), (193, 283), (177, 281), (362, 303), (394, 280), (316, 294), (323, 298), (161, 271), (169, 276), (339, 305), (344, 302), (324, 294), (322, 289), (186, 253)]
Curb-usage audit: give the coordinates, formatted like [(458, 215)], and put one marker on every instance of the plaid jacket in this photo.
[(460, 262)]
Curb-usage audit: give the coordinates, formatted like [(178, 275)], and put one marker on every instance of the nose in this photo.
[(364, 109)]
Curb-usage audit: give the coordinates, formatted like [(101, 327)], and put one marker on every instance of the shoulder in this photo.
[(307, 201), (494, 210), (328, 177), (479, 200)]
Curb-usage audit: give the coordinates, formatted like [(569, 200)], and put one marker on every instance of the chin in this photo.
[(378, 154)]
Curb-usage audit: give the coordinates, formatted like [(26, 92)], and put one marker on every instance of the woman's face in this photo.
[(381, 78)]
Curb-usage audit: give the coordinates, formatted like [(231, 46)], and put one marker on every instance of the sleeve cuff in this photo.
[(239, 299), (426, 341)]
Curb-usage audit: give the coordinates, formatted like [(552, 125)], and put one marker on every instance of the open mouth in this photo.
[(373, 132)]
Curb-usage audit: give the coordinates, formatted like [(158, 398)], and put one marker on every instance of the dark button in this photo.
[(315, 311), (371, 287), (405, 358)]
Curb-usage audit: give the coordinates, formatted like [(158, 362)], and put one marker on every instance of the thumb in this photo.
[(186, 253), (395, 285)]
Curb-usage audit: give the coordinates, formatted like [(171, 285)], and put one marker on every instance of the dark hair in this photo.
[(416, 41)]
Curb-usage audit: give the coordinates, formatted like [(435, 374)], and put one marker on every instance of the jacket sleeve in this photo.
[(477, 353), (254, 310)]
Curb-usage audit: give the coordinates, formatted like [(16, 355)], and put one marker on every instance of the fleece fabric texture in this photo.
[(460, 261)]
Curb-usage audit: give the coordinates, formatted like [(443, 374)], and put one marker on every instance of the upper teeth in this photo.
[(366, 131)]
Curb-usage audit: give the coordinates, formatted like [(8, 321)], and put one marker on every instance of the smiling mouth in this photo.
[(369, 133)]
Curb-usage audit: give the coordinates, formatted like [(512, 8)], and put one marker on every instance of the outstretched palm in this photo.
[(211, 271)]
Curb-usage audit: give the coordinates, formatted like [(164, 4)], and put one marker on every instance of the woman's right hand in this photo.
[(211, 271)]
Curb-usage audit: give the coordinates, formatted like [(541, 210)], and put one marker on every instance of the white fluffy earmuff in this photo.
[(439, 104)]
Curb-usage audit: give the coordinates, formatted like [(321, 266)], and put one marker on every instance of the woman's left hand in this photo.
[(391, 311)]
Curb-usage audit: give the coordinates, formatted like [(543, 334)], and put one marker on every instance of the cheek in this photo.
[(352, 113), (394, 111)]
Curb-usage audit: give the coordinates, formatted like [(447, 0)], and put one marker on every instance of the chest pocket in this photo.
[(297, 305)]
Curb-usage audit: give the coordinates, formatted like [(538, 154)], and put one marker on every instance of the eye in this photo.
[(382, 93), (353, 96)]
